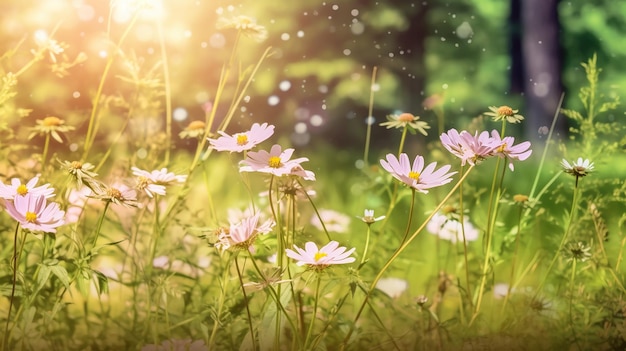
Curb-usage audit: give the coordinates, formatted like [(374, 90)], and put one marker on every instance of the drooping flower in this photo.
[(9, 192), (333, 221), (276, 162), (154, 182), (506, 149), (195, 130), (416, 176), (81, 172), (450, 229), (34, 213), (241, 235), (407, 120), (469, 148), (504, 113), (328, 255), (243, 141), (368, 217), (50, 125), (578, 169), (247, 26)]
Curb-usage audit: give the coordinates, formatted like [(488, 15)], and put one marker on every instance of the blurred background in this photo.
[(458, 56)]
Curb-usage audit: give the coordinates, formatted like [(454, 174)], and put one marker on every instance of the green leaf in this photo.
[(61, 273), (102, 282)]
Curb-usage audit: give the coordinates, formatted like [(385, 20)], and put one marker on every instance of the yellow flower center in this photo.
[(505, 111), (242, 139), (501, 148), (414, 175), (114, 194), (274, 162), (77, 165), (142, 182), (22, 190), (52, 121), (320, 255), (195, 125), (406, 117), (520, 198), (31, 217), (448, 209)]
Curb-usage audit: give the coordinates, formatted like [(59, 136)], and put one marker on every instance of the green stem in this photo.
[(247, 303), (514, 259), (44, 153), (6, 337), (402, 139), (314, 316), (367, 243), (462, 221), (370, 118), (408, 225), (99, 225), (317, 213), (220, 304), (397, 253)]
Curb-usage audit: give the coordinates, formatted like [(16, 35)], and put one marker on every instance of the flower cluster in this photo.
[(474, 148), (241, 235)]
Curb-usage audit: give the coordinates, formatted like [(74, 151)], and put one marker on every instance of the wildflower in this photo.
[(244, 141), (247, 26), (177, 345), (368, 217), (52, 126), (450, 229), (469, 148), (34, 213), (406, 120), (241, 235), (328, 255), (578, 251), (119, 194), (154, 182), (195, 130), (9, 192), (298, 171), (276, 162), (578, 169), (333, 221), (504, 113), (416, 176), (393, 287), (507, 150), (81, 172)]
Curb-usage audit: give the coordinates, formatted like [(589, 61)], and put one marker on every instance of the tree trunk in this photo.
[(542, 66)]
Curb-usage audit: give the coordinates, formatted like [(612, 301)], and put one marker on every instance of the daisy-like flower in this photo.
[(469, 148), (276, 162), (154, 182), (578, 251), (239, 142), (416, 176), (34, 213), (450, 229), (368, 217), (319, 259), (406, 120), (247, 26), (195, 130), (119, 194), (504, 113), (507, 150), (50, 125), (16, 188), (241, 235), (81, 172), (333, 221), (578, 169)]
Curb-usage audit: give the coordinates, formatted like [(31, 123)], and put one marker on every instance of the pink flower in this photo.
[(276, 162), (34, 213), (469, 148), (417, 177), (321, 258), (507, 150), (243, 141), (241, 235), (17, 188)]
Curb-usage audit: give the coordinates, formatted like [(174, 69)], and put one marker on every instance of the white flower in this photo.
[(368, 217), (394, 287), (450, 229)]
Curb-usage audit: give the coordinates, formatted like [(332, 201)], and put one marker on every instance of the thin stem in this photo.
[(397, 253), (462, 221), (408, 225), (317, 213), (6, 337), (514, 259), (247, 303), (571, 299), (370, 120), (367, 243), (314, 316), (99, 225), (402, 139), (44, 153), (220, 304)]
